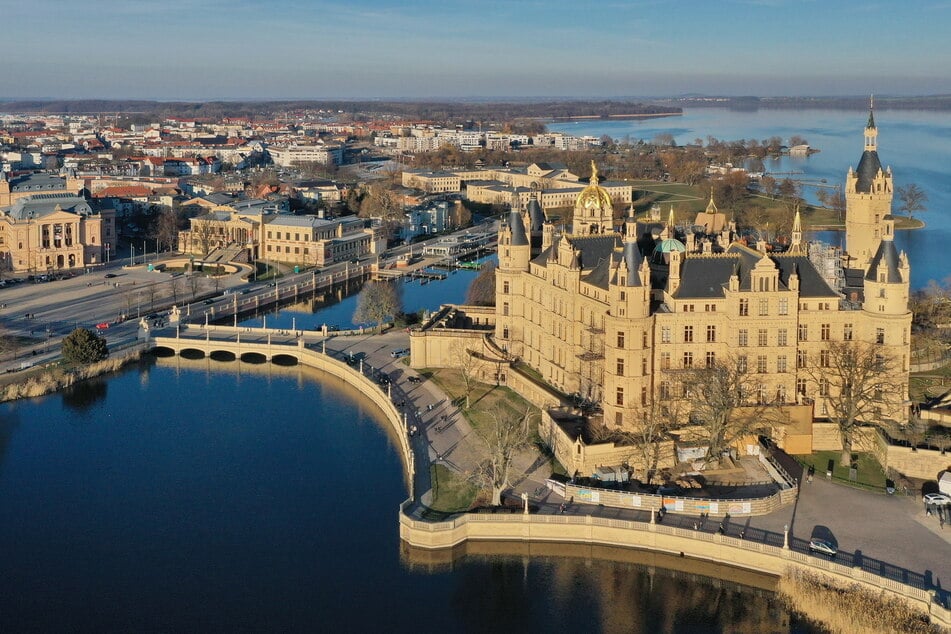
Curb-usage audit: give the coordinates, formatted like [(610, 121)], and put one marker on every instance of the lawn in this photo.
[(484, 401), (452, 493), (870, 472)]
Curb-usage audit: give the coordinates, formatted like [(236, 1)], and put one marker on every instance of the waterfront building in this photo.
[(615, 314)]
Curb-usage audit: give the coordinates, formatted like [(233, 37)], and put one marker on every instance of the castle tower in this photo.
[(514, 258), (594, 211), (868, 201)]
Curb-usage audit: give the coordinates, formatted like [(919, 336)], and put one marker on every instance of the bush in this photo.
[(82, 347)]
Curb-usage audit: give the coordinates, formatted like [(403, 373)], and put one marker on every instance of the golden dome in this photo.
[(594, 197)]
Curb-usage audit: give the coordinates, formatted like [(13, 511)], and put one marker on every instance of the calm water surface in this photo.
[(207, 496), (917, 145)]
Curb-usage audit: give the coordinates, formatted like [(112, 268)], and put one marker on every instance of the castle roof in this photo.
[(887, 254), (519, 239), (869, 167)]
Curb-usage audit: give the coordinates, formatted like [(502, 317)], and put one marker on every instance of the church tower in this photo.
[(868, 202)]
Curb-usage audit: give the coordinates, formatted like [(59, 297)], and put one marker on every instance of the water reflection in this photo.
[(82, 396), (611, 589)]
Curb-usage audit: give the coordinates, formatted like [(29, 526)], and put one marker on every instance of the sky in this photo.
[(424, 49)]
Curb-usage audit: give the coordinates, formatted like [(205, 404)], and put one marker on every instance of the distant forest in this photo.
[(460, 111), (928, 102)]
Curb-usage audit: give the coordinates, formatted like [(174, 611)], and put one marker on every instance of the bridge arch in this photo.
[(222, 355), (192, 353), (253, 357), (286, 360)]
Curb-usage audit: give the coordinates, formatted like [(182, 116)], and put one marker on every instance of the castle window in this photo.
[(643, 338), (620, 339), (763, 307), (620, 367), (505, 333), (665, 390), (619, 396), (664, 360), (880, 335), (505, 287), (823, 387), (762, 337), (781, 339), (744, 307), (801, 359), (711, 359), (801, 386), (741, 364), (688, 334), (644, 395), (618, 418), (781, 394), (803, 332), (847, 332), (665, 334), (783, 306), (825, 331), (711, 334), (824, 358), (688, 360), (644, 366), (781, 363), (743, 338), (761, 364), (505, 308)]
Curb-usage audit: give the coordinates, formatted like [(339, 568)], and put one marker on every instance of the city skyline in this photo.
[(289, 49)]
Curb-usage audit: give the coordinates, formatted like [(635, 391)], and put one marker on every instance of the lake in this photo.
[(916, 144)]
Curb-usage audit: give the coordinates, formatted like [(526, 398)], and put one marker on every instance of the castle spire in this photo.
[(594, 173), (871, 132), (796, 242)]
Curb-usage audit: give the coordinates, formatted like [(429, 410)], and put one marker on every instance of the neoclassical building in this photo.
[(612, 313), (50, 232)]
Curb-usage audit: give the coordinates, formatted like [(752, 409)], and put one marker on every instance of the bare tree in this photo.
[(467, 363), (376, 302), (194, 285), (644, 434), (482, 289), (203, 232), (507, 433), (911, 199), (151, 291), (165, 229), (176, 288), (727, 403), (853, 379)]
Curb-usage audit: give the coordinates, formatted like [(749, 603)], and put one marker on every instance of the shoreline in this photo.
[(596, 117)]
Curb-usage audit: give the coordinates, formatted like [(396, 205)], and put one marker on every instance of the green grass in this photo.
[(870, 472), (484, 400), (452, 493)]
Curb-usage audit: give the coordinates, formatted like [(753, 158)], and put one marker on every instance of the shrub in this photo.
[(82, 347)]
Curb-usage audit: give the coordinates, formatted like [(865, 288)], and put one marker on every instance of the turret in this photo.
[(796, 245), (868, 200), (514, 247)]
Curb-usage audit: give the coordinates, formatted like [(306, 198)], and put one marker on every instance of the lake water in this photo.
[(917, 146), (184, 496)]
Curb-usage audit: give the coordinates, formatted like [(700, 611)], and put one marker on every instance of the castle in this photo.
[(612, 314)]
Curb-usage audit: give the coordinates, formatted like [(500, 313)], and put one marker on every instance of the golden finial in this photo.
[(594, 173)]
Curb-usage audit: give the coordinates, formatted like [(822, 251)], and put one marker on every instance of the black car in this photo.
[(415, 379), (109, 276)]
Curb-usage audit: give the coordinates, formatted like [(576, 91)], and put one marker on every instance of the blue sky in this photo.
[(270, 49)]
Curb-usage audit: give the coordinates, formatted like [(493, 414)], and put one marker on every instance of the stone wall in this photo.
[(699, 545)]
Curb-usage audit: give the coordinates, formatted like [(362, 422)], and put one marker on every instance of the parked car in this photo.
[(415, 379), (937, 499), (109, 276), (399, 353), (823, 547)]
